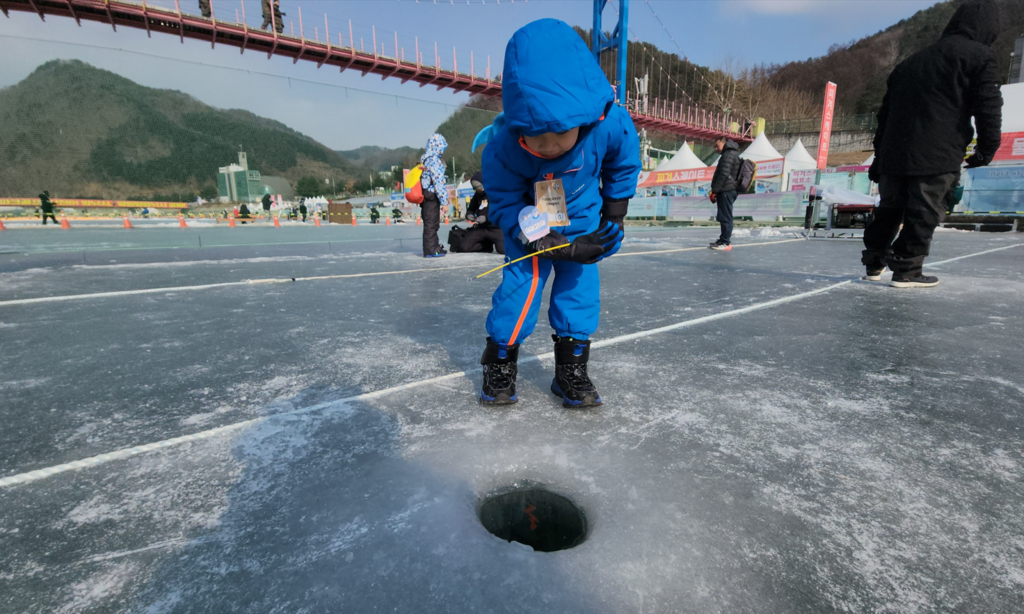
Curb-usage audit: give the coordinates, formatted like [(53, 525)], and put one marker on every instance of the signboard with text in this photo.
[(92, 204), (826, 124), (765, 169)]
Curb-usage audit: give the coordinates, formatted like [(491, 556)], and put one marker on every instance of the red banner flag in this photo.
[(826, 124)]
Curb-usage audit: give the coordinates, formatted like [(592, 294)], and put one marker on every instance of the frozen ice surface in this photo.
[(854, 450)]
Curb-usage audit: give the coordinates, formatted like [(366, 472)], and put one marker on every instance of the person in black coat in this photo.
[(723, 189), (924, 128), (303, 210), (46, 205), (266, 204), (483, 236)]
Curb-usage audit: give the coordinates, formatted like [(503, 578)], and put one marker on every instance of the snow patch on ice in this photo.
[(24, 383), (100, 586)]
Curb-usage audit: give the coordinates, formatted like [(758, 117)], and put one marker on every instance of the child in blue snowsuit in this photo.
[(560, 121)]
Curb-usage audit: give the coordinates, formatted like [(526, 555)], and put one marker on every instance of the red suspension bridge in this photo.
[(687, 121)]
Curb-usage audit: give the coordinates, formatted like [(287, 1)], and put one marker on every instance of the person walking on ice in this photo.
[(46, 206), (924, 128), (562, 134), (435, 195)]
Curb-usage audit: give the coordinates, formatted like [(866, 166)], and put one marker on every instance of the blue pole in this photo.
[(620, 38), (623, 30), (595, 34)]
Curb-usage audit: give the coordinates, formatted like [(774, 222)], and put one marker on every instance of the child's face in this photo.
[(552, 144)]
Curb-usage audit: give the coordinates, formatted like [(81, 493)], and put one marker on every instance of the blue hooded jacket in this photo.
[(552, 83)]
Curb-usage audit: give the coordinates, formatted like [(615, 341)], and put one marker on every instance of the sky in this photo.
[(345, 110)]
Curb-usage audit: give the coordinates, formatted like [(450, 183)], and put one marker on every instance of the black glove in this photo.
[(597, 245), (614, 210), (552, 239), (974, 161), (585, 249), (873, 173)]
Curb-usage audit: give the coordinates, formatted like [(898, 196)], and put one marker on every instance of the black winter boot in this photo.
[(571, 381), (500, 371)]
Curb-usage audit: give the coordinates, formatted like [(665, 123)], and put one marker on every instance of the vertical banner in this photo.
[(826, 124)]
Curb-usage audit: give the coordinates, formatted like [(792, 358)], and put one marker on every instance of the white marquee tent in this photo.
[(683, 159), (760, 150), (798, 159)]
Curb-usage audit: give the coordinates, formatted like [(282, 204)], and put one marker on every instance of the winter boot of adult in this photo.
[(913, 280), (500, 370), (571, 381), (873, 274)]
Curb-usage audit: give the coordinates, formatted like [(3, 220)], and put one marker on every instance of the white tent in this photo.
[(799, 159), (868, 162), (761, 150), (1013, 107), (683, 159)]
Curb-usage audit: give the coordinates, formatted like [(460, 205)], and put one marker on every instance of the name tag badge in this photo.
[(550, 198), (533, 224)]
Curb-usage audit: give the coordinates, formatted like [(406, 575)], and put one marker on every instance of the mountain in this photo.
[(462, 127), (860, 68), (381, 158), (79, 131)]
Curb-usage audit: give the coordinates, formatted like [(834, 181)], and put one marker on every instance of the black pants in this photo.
[(48, 215), (919, 203), (725, 201), (483, 238), (303, 217), (431, 223)]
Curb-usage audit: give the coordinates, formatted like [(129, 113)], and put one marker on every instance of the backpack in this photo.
[(455, 237), (415, 193), (746, 173)]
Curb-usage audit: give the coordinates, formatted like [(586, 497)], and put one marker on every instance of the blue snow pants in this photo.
[(575, 298)]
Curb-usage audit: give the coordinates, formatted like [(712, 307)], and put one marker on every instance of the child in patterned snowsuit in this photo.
[(560, 121), (435, 195)]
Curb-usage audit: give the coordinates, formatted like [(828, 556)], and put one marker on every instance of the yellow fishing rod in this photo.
[(523, 258)]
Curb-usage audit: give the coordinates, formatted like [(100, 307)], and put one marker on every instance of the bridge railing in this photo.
[(700, 123), (159, 16)]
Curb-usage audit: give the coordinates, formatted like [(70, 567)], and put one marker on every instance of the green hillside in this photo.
[(79, 131), (381, 158), (860, 68)]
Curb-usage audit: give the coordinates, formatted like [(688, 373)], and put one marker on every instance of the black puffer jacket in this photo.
[(728, 165), (924, 125)]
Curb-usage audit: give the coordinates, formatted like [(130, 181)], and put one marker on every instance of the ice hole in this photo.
[(541, 519)]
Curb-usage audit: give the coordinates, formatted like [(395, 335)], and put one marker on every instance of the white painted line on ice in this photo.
[(248, 282), (39, 474), (283, 280), (988, 251), (124, 453), (690, 249)]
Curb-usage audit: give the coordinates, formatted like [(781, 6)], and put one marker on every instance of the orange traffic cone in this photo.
[(316, 221), (387, 221), (419, 222), (231, 221), (277, 223), (353, 220), (446, 220), (127, 222), (181, 221), (2, 227), (64, 223)]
